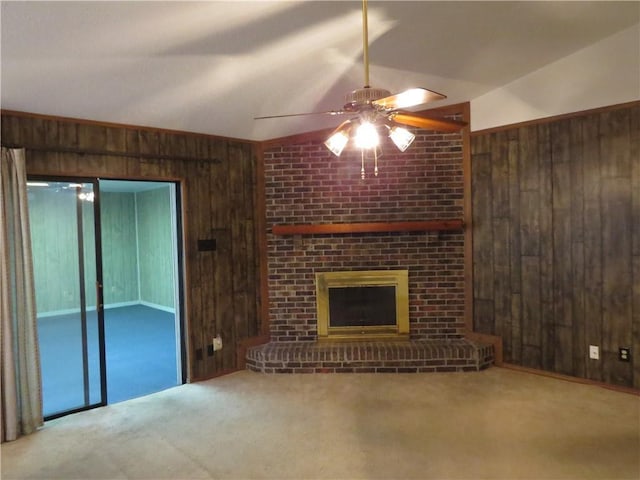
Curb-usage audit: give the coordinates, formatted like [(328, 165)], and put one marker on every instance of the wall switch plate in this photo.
[(210, 350), (207, 245), (217, 343), (594, 352), (624, 354)]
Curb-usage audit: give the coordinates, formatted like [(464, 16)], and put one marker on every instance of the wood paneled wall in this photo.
[(556, 242), (119, 247), (219, 185), (155, 254)]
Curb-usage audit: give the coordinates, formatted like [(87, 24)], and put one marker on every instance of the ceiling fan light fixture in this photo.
[(339, 138), (336, 143), (401, 137), (366, 136)]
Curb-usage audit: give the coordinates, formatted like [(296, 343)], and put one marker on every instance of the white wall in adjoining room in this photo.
[(605, 73)]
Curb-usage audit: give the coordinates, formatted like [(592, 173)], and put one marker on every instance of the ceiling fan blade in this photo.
[(438, 124), (330, 112), (408, 98)]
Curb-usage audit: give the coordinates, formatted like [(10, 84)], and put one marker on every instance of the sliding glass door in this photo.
[(106, 256), (65, 243)]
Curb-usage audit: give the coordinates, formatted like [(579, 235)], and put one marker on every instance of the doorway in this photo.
[(106, 266)]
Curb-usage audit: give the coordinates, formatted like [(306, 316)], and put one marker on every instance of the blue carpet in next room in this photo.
[(140, 349)]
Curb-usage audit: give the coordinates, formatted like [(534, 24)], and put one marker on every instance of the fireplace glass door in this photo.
[(362, 305)]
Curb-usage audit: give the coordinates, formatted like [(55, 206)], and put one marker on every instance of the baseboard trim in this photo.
[(219, 373), (157, 306), (64, 311), (121, 304), (108, 306), (568, 378)]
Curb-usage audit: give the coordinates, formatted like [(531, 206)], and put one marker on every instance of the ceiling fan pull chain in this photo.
[(365, 44), (375, 157)]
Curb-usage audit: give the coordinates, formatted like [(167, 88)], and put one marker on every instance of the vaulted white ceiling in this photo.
[(211, 67)]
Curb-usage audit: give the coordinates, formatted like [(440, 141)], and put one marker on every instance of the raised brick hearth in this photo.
[(370, 357), (306, 185)]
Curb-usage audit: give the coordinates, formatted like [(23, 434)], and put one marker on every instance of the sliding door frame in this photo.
[(179, 277), (182, 354)]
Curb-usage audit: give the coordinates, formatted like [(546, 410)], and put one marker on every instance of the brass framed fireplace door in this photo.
[(379, 308)]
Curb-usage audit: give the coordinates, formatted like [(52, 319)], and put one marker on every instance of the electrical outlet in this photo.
[(217, 343), (594, 352), (624, 354)]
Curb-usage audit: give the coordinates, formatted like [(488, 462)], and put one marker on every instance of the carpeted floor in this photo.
[(494, 424), (140, 356)]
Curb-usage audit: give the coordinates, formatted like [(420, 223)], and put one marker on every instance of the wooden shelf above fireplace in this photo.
[(329, 228)]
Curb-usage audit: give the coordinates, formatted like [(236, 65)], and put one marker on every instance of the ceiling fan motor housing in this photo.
[(364, 96)]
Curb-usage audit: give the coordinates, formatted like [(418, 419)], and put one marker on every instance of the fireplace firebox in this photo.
[(364, 305)]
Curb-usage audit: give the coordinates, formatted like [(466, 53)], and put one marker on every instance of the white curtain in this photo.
[(21, 398)]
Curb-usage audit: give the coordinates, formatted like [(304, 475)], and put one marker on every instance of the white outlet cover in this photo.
[(594, 352)]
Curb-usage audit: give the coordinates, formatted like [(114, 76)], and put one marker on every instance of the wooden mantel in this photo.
[(328, 228)]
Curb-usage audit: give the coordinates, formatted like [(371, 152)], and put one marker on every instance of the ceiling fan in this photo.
[(371, 108)]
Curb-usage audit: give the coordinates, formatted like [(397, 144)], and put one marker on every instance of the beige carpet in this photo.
[(495, 424)]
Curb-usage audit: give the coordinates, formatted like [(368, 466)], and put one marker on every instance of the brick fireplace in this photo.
[(307, 185)]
